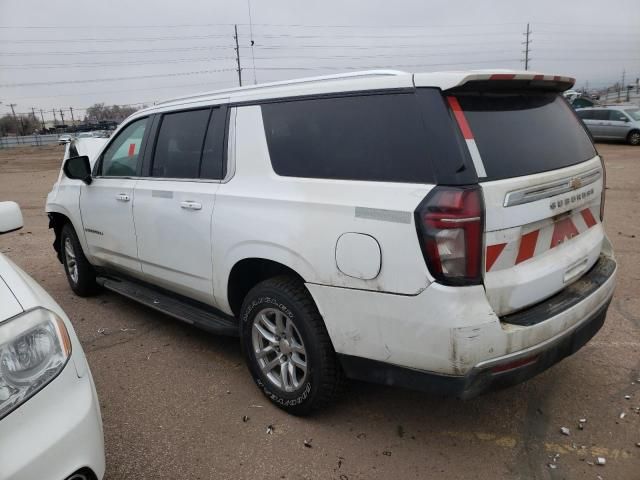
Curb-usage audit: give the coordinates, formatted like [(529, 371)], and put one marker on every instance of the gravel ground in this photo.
[(173, 398)]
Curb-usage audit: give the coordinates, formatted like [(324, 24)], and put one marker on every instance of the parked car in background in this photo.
[(50, 424), (613, 123), (430, 230), (65, 138), (582, 101), (85, 135)]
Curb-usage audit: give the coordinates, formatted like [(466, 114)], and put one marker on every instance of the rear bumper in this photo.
[(494, 374)]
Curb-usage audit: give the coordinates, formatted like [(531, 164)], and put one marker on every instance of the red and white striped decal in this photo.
[(468, 136), (504, 255), (520, 76)]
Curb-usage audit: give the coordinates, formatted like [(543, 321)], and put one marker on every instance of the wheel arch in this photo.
[(58, 218), (247, 273)]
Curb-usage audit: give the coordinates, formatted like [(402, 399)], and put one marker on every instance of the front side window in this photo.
[(178, 151), (617, 116), (121, 157)]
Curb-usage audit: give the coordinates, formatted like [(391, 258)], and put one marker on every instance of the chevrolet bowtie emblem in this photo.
[(575, 183)]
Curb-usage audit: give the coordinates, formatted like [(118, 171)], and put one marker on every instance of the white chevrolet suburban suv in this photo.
[(441, 231)]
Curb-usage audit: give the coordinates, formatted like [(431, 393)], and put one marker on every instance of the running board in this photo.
[(200, 316)]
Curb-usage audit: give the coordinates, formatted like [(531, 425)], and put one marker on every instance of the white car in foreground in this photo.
[(50, 424)]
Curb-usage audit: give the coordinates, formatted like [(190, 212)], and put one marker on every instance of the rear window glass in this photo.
[(524, 133), (368, 137)]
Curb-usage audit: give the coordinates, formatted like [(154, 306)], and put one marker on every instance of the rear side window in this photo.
[(600, 115), (585, 114), (178, 150), (524, 133), (368, 137)]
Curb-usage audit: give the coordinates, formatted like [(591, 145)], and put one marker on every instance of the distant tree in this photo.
[(100, 112), (21, 125)]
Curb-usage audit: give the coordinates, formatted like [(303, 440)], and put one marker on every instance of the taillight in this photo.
[(604, 187), (450, 222)]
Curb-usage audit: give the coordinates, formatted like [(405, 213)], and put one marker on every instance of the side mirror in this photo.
[(10, 217), (78, 168)]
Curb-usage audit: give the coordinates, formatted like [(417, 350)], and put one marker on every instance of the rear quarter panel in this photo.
[(297, 221)]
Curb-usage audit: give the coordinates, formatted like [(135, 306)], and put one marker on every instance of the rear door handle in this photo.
[(190, 205), (123, 197)]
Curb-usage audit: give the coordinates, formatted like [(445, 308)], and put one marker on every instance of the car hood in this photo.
[(9, 305), (19, 292), (90, 146)]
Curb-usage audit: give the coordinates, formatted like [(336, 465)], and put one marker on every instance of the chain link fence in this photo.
[(28, 140)]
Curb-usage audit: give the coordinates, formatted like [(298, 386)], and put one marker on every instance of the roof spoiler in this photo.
[(519, 81), (494, 79)]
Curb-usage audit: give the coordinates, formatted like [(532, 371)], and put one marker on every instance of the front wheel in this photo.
[(287, 346), (634, 138), (80, 273)]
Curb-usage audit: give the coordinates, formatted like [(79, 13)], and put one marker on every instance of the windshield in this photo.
[(634, 113)]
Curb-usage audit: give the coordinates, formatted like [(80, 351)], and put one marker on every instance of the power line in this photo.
[(113, 79), (279, 25), (363, 67), (102, 92), (183, 49), (117, 40), (104, 64), (110, 52), (207, 59)]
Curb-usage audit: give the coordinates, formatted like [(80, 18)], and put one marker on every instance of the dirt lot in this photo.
[(173, 398)]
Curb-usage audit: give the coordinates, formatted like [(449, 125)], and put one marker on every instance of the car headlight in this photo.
[(34, 347)]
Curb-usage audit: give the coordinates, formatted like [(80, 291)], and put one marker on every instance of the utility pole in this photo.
[(42, 117), (55, 120), (62, 116), (235, 36), (15, 119), (526, 43), (73, 121)]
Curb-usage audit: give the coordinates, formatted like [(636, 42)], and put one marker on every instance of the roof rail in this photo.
[(297, 81)]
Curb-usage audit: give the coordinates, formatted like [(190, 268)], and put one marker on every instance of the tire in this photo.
[(283, 308), (633, 138), (80, 273)]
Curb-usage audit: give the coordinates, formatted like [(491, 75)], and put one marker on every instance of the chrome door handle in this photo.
[(189, 205), (123, 197)]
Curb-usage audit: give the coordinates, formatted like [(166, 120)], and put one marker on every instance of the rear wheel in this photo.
[(80, 273), (634, 138), (287, 346)]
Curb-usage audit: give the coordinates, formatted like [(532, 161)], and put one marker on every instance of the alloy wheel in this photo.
[(279, 349)]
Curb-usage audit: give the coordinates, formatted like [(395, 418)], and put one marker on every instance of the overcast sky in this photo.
[(63, 53)]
